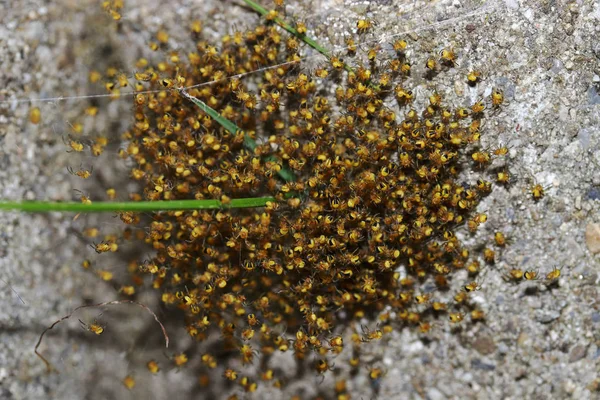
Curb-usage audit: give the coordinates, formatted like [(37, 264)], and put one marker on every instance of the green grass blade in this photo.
[(312, 43), (136, 206), (164, 205), (224, 122), (229, 126), (285, 173), (309, 41)]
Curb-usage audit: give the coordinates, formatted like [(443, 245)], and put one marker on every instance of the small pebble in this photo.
[(545, 317), (593, 95), (593, 193), (573, 247), (503, 348), (484, 345), (569, 386), (435, 394), (594, 386), (592, 238), (577, 353), (478, 364), (459, 88), (584, 136), (522, 339)]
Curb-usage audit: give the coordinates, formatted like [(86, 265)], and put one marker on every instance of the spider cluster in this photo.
[(366, 223)]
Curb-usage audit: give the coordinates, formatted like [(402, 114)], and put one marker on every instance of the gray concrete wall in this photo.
[(545, 55)]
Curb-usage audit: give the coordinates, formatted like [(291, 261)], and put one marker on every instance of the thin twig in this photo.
[(11, 288), (108, 303)]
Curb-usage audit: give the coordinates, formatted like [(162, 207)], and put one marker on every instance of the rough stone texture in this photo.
[(534, 343), (592, 238)]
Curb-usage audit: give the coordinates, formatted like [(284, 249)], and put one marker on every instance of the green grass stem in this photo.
[(285, 173), (168, 205), (136, 206), (309, 41)]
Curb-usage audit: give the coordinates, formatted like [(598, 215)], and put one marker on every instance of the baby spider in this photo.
[(504, 177), (501, 151), (180, 359), (94, 327), (500, 239), (301, 27), (461, 297), (489, 255), (472, 286), (35, 116), (370, 335), (497, 97), (473, 77), (400, 46), (431, 65), (74, 145), (552, 276), (350, 46), (473, 267), (477, 315), (322, 366), (514, 275), (230, 374), (531, 275), (478, 108), (153, 367), (537, 191), (482, 158), (456, 317), (439, 306), (475, 221), (82, 173), (104, 247), (423, 298), (364, 25), (85, 199), (425, 327), (375, 376), (129, 382), (448, 57), (375, 373)]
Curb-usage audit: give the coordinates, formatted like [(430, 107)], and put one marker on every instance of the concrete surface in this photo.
[(534, 344)]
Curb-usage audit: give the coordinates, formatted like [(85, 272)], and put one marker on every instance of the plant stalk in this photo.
[(285, 173), (136, 206), (309, 41)]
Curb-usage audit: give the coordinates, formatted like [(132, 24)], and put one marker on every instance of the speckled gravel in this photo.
[(537, 342)]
